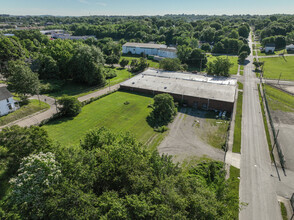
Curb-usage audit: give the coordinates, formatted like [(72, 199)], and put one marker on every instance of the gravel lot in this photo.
[(183, 141)]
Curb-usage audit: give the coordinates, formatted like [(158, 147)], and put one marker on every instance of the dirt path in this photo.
[(183, 142)]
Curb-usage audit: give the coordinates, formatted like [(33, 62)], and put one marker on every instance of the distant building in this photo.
[(8, 35), (160, 50), (290, 47), (7, 104), (270, 48), (52, 32), (70, 37)]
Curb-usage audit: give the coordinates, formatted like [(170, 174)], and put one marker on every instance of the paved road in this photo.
[(257, 187)]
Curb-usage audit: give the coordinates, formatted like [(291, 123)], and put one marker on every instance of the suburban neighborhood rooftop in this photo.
[(4, 93), (145, 45)]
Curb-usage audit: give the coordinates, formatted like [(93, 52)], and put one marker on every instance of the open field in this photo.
[(33, 107), (279, 100), (233, 60), (274, 66), (78, 90), (238, 125), (153, 64), (110, 112), (277, 52)]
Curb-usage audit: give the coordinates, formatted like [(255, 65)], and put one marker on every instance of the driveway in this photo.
[(183, 141)]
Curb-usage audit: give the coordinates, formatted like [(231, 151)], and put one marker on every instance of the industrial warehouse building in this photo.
[(159, 50), (204, 92)]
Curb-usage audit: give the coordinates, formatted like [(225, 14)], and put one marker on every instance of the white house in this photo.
[(160, 50), (7, 104), (270, 48), (290, 47)]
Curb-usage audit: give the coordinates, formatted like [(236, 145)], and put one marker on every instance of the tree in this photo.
[(164, 109), (124, 62), (219, 67), (70, 106), (170, 64), (22, 80), (242, 56), (244, 31), (139, 66), (245, 48), (21, 142), (87, 65), (206, 47), (197, 58), (30, 189), (208, 35), (46, 67), (234, 34), (218, 48)]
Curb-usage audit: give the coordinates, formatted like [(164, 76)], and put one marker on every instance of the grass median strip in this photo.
[(283, 211), (238, 124), (26, 110)]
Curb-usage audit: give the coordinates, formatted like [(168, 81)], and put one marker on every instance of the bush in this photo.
[(70, 106), (161, 129), (170, 64), (110, 74)]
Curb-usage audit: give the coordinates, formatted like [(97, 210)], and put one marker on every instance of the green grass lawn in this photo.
[(277, 52), (283, 211), (233, 60), (279, 100), (238, 124), (78, 90), (234, 185), (240, 85), (152, 63), (33, 107), (275, 65), (112, 113)]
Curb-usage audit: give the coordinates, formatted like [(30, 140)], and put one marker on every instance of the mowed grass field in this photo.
[(274, 66), (78, 90), (153, 64), (279, 100), (112, 113), (233, 60)]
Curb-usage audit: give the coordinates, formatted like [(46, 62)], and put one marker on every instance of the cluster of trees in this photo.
[(278, 29), (109, 176), (219, 67)]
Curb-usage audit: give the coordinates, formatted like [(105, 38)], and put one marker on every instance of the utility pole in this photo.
[(279, 78)]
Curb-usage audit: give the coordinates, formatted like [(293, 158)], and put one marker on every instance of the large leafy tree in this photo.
[(22, 80), (219, 67), (87, 65), (31, 187), (70, 106), (164, 109), (21, 142)]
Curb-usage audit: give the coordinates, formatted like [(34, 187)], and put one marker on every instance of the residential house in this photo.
[(290, 47), (270, 48), (7, 104)]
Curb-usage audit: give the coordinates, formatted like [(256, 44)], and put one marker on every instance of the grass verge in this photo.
[(111, 112), (283, 211), (269, 142), (238, 124), (240, 85), (31, 108), (234, 182)]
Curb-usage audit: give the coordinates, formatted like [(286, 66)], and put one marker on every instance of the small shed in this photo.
[(7, 104), (270, 48)]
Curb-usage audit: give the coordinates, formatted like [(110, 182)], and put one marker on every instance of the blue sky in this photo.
[(146, 7)]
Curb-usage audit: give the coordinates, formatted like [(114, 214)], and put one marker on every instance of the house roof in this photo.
[(270, 45), (144, 45), (4, 93)]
